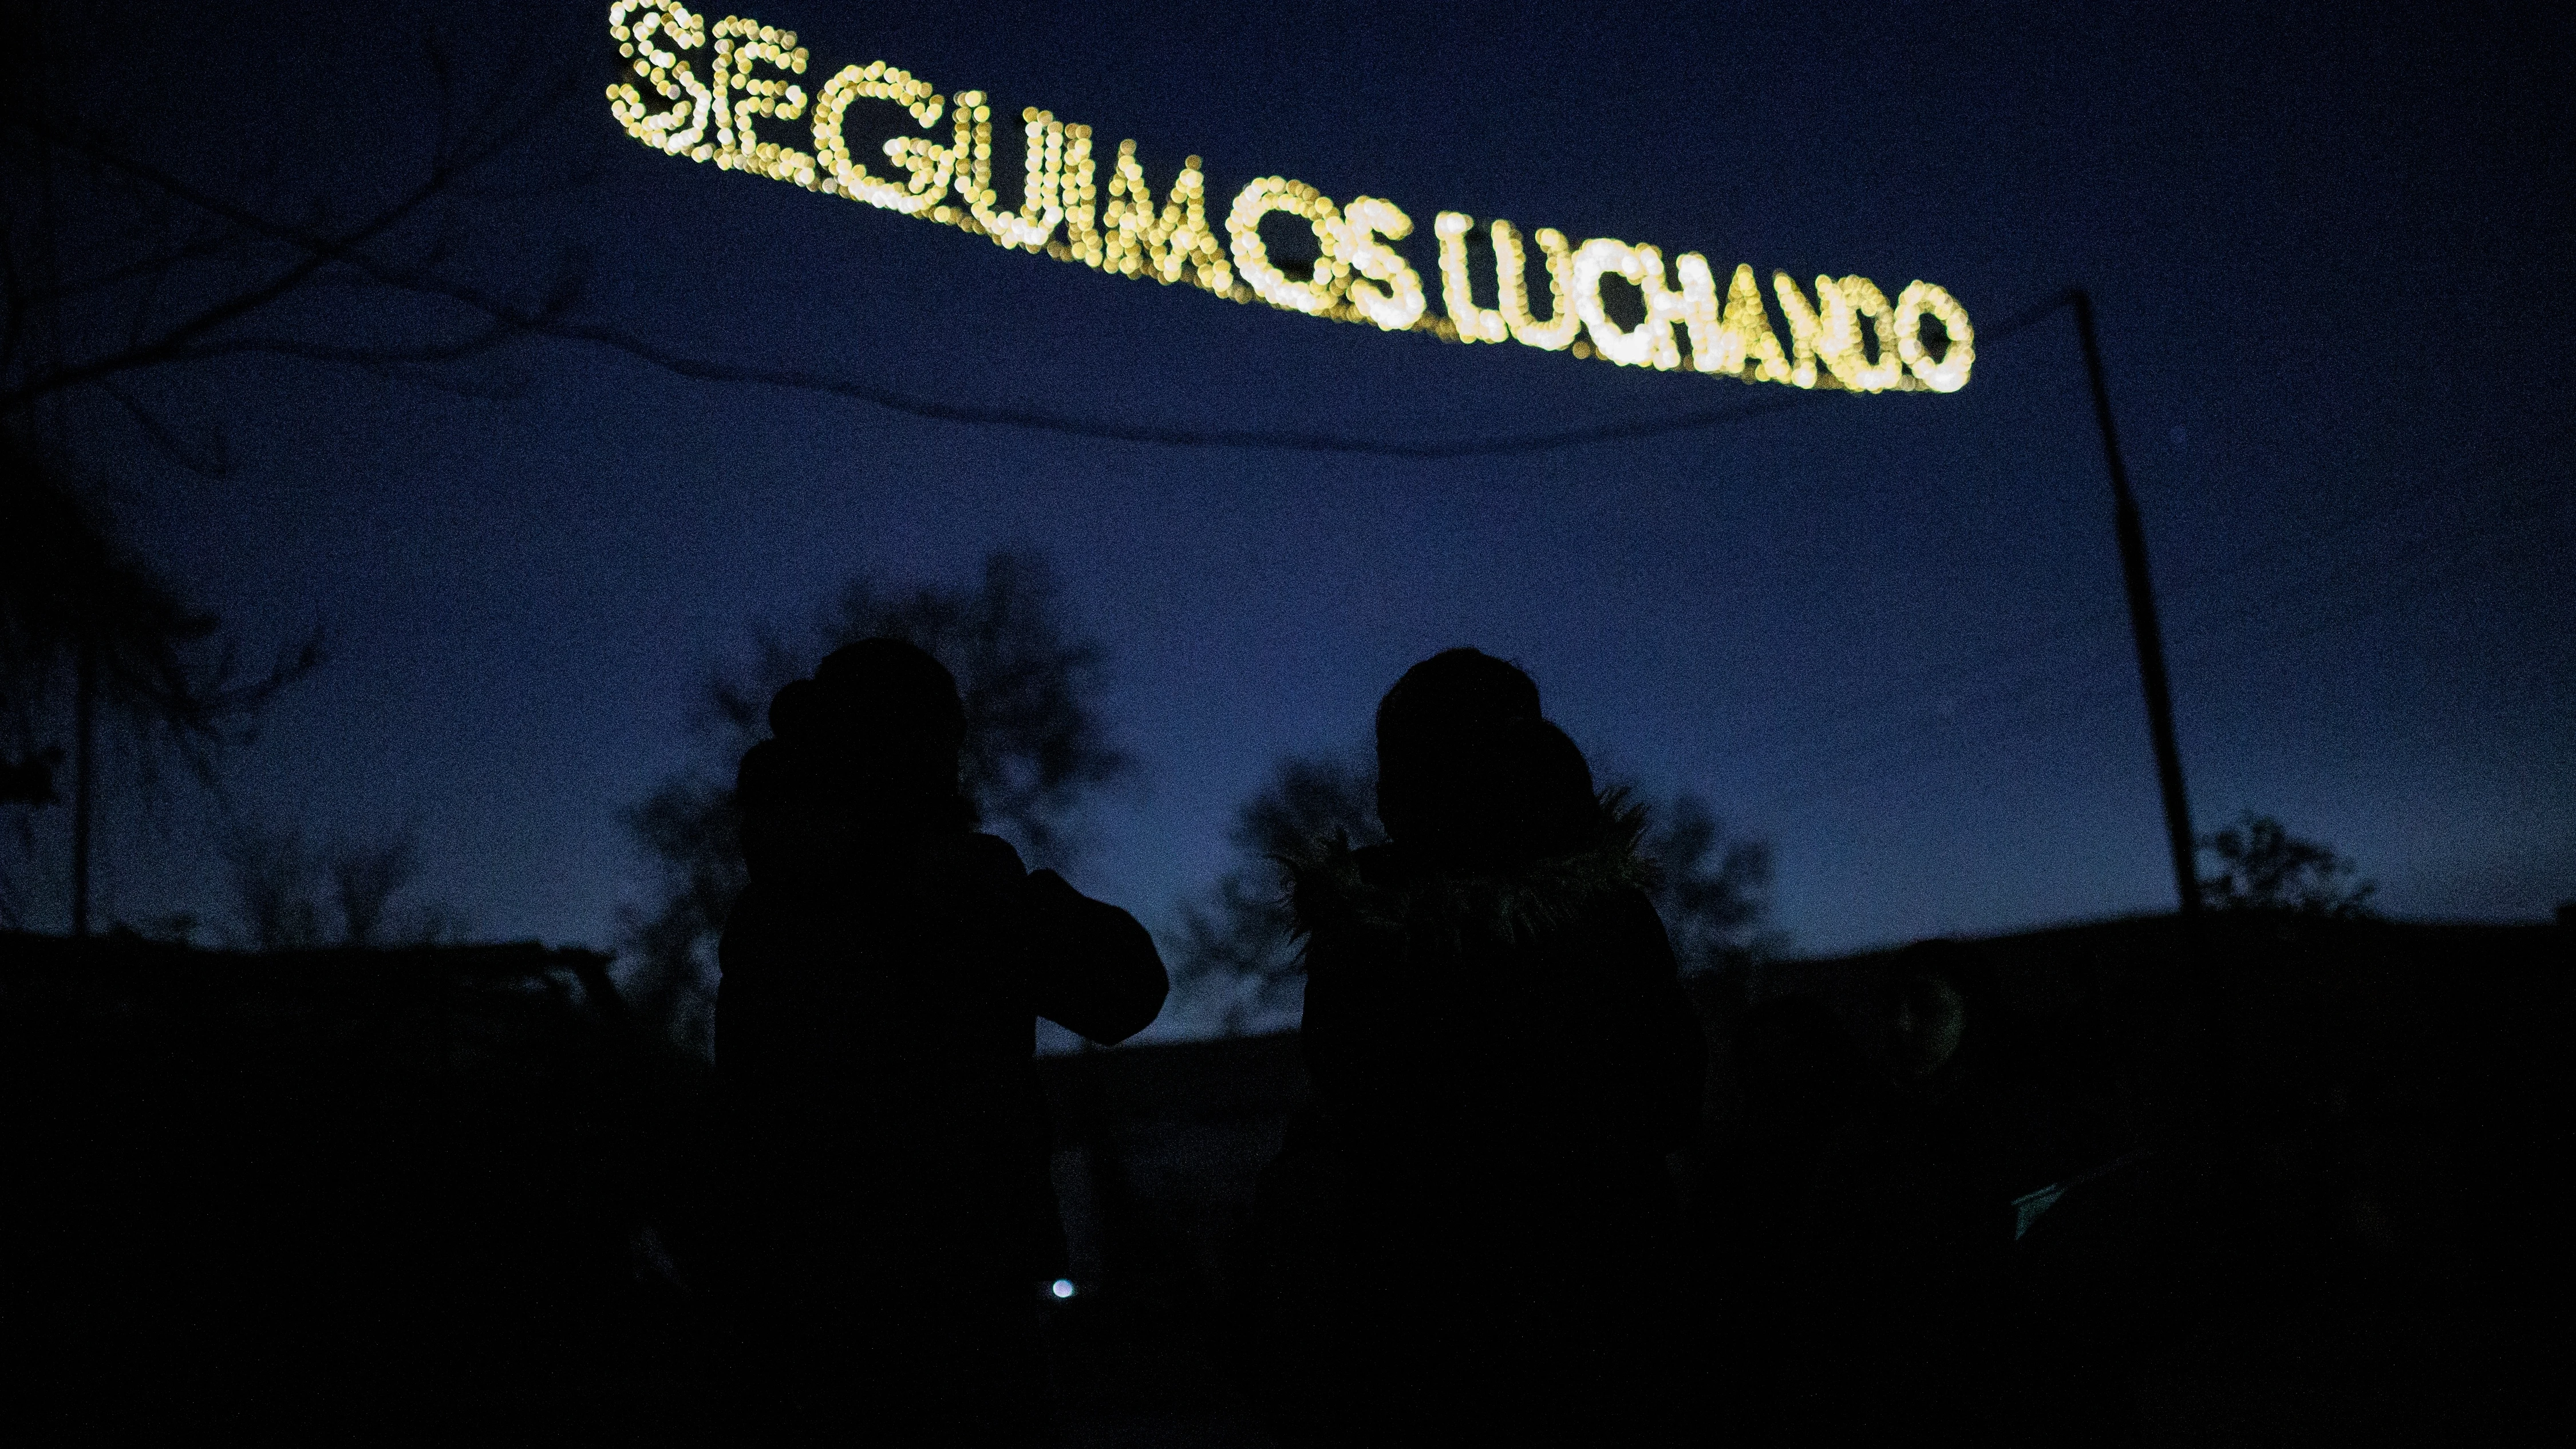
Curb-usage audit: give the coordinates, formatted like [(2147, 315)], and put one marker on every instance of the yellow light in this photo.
[(1604, 257), (740, 96), (678, 129), (1041, 204), (1081, 200), (1399, 305), (1693, 304), (1041, 207), (1457, 297), (1744, 346), (1167, 245), (1807, 330), (1950, 373), (1512, 288), (929, 166), (1863, 298), (1357, 275), (1650, 343), (1331, 276)]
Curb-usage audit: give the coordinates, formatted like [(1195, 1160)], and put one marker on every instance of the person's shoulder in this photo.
[(1624, 909), (986, 860), (1382, 864)]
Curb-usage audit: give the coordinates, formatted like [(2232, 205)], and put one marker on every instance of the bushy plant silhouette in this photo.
[(1236, 952), (2263, 867)]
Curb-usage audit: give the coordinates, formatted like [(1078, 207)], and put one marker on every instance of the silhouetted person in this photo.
[(1468, 1236), (893, 1213), (1919, 1249), (1799, 1079)]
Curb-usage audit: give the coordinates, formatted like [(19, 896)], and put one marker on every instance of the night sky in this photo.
[(2329, 252)]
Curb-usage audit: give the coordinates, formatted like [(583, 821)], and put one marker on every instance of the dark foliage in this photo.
[(2262, 867), (1713, 891), (286, 894), (1236, 954), (1237, 950)]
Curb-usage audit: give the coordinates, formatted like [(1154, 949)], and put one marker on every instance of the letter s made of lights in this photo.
[(730, 93)]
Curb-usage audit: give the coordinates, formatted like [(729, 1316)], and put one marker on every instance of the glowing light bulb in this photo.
[(1330, 277), (1865, 300), (1169, 244), (1400, 303), (1745, 345), (1457, 295), (1949, 372), (1512, 288), (1650, 343)]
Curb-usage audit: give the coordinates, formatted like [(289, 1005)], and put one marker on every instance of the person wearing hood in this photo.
[(882, 975), (1468, 1235), (1926, 1210)]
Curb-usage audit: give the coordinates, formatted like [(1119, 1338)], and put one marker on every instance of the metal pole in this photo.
[(84, 711), (2142, 622)]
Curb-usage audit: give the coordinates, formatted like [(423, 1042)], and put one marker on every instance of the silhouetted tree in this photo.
[(2263, 867), (112, 267), (1236, 954), (86, 624), (1714, 891), (366, 874), (1036, 746), (284, 891), (271, 872), (1236, 945)]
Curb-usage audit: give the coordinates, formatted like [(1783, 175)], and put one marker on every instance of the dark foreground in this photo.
[(448, 1195)]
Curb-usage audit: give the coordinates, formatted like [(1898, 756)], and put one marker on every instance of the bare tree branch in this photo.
[(179, 342), (214, 462), (365, 875), (475, 146), (144, 269)]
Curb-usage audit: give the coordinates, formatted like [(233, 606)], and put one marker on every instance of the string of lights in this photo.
[(549, 320), (1356, 275)]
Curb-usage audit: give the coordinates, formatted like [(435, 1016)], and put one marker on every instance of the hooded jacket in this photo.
[(1517, 1019), (1469, 1214)]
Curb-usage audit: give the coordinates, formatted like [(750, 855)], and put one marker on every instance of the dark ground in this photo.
[(394, 1197)]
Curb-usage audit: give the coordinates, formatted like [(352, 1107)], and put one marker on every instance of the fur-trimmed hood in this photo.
[(1374, 895)]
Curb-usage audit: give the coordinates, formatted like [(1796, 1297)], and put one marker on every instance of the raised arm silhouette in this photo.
[(892, 1214), (1467, 1237)]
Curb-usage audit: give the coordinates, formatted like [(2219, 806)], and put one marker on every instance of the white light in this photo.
[(1061, 1288)]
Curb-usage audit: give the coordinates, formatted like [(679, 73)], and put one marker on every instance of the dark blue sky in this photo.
[(2329, 251)]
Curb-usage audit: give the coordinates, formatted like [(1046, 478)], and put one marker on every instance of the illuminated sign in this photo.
[(726, 93)]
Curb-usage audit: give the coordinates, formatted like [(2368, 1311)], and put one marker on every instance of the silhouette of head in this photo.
[(1468, 771), (1558, 812), (1937, 992), (872, 738)]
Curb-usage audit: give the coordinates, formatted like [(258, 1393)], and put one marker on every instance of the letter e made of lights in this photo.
[(729, 93)]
